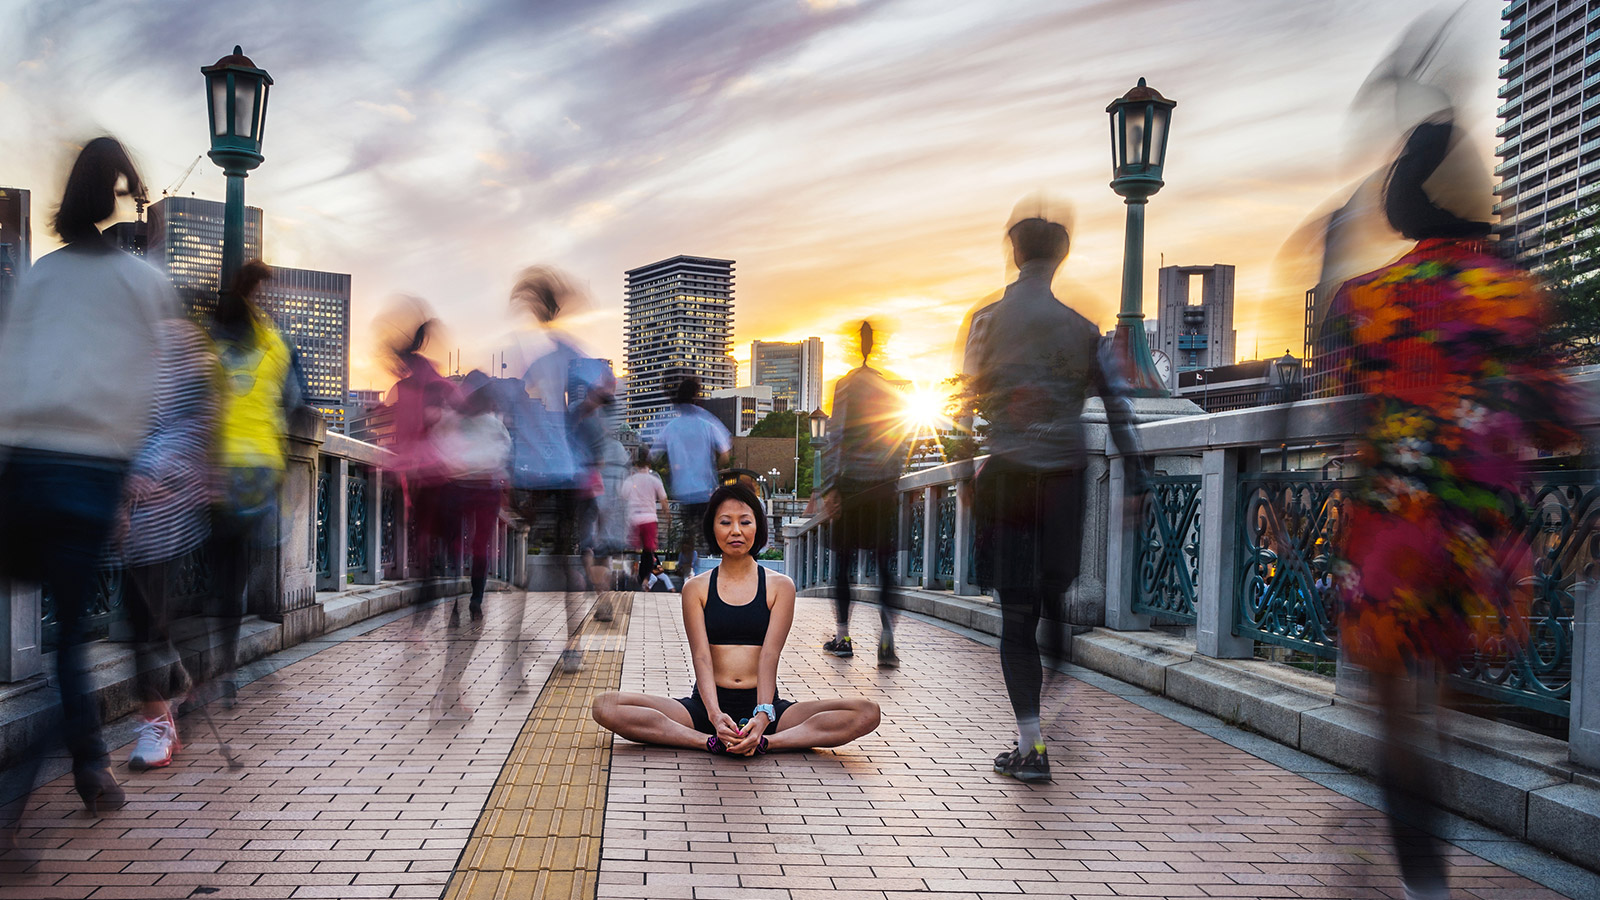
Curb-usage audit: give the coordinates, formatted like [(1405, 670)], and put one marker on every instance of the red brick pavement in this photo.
[(1142, 806), (352, 787)]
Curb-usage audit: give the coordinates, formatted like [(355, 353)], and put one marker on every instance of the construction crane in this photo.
[(178, 185)]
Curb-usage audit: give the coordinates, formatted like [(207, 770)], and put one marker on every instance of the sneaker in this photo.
[(158, 740), (1035, 767), (839, 647), (602, 609), (571, 661), (887, 658)]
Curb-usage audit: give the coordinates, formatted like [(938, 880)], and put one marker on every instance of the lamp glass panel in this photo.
[(1158, 134), (261, 113), (244, 107), (1133, 133), (219, 103)]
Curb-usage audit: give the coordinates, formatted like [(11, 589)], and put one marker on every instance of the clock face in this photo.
[(1163, 366)]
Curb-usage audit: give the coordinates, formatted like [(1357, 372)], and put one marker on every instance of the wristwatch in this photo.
[(772, 714)]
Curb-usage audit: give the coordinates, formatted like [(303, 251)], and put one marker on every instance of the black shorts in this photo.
[(740, 703)]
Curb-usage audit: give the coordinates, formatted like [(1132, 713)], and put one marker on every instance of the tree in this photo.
[(1573, 277), (783, 425)]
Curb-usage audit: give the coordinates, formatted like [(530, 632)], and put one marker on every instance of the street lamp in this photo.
[(819, 432), (236, 95), (1286, 378), (1139, 122), (1205, 379)]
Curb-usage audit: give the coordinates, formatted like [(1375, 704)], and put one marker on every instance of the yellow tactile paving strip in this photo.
[(539, 833)]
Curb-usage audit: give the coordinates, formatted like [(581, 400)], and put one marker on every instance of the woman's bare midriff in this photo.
[(735, 664)]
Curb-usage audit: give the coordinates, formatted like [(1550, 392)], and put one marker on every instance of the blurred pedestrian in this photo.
[(165, 517), (695, 444), (475, 450), (863, 463), (79, 358), (552, 485), (261, 384), (1033, 362), (644, 494), (1459, 387)]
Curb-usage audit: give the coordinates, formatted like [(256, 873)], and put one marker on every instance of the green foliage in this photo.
[(1573, 277), (782, 425)]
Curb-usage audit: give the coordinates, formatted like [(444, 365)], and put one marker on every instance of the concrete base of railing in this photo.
[(29, 709), (1515, 781)]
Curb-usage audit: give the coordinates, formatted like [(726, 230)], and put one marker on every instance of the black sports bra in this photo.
[(743, 624)]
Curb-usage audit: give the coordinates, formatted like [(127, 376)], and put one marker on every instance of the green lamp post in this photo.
[(236, 94), (1139, 122)]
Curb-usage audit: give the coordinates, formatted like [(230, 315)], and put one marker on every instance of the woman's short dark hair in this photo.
[(744, 495), (91, 193)]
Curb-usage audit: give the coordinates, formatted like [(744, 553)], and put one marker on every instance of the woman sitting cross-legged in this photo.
[(737, 617)]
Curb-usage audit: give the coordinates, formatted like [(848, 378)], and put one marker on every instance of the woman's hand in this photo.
[(751, 740), (727, 729)]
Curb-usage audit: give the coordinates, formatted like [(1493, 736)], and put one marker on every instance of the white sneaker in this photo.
[(158, 741)]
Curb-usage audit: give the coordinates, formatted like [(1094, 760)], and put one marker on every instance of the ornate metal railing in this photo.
[(827, 552), (105, 607), (324, 561), (1527, 658), (915, 506), (355, 519), (388, 519), (944, 547), (1285, 526), (1169, 549)]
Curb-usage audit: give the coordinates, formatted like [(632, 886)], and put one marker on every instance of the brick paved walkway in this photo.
[(352, 786), (355, 788), (1141, 807)]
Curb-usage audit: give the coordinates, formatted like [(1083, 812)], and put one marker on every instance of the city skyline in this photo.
[(798, 138)]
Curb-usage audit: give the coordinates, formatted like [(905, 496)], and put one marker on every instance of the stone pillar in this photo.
[(298, 524), (1214, 595), (1583, 726), (519, 556), (21, 632), (965, 523), (338, 527), (1121, 556), (930, 535)]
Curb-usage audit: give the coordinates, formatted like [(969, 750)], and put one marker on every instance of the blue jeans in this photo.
[(56, 513)]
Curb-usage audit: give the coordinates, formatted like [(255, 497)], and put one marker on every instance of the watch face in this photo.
[(1163, 366)]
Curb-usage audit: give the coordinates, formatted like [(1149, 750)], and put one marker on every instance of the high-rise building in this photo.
[(793, 371), (1550, 155), (16, 235), (679, 322), (185, 241), (312, 311), (740, 408), (1195, 331)]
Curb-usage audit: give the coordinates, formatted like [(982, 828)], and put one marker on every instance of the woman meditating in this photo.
[(737, 617)]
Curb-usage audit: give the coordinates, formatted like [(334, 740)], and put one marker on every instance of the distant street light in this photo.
[(236, 95), (1139, 122)]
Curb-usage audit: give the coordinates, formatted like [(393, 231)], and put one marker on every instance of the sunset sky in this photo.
[(853, 158)]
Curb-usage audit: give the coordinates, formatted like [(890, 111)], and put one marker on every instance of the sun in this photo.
[(925, 408)]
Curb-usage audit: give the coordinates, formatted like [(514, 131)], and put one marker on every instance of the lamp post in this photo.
[(819, 433), (236, 95), (1139, 122), (1205, 379)]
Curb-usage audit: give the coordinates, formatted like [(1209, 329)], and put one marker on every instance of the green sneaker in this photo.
[(839, 647), (887, 658), (1032, 768)]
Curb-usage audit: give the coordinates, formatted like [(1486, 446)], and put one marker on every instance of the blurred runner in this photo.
[(863, 464), (695, 444), (1032, 362)]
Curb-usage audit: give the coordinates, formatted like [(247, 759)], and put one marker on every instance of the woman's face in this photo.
[(735, 528)]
